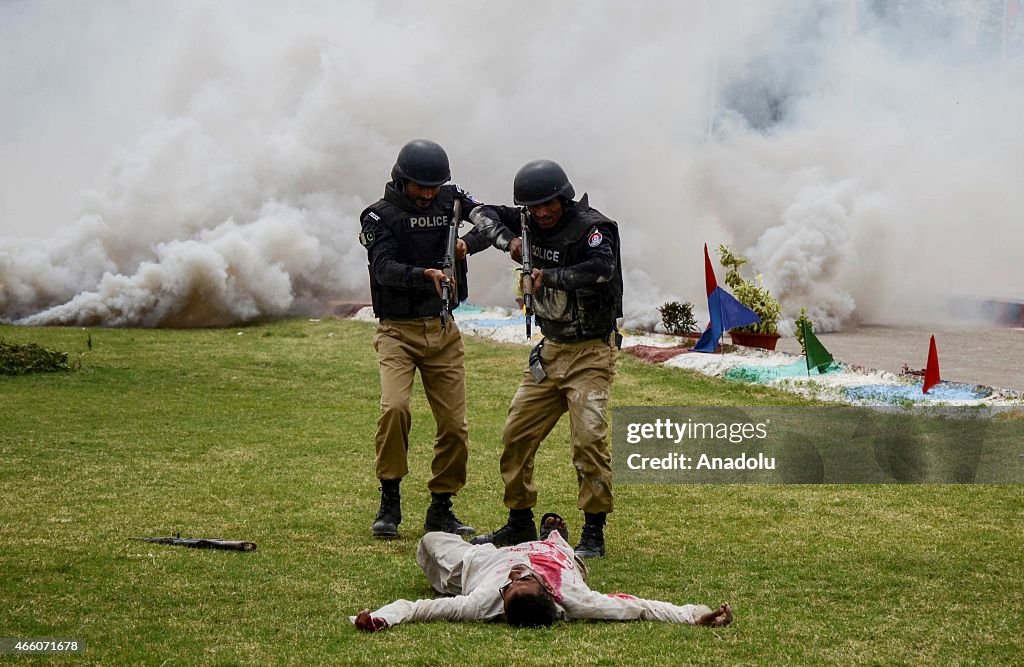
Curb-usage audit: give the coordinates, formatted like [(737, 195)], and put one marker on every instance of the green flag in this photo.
[(817, 356)]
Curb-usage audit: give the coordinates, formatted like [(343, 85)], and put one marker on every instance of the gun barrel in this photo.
[(229, 545), (200, 543)]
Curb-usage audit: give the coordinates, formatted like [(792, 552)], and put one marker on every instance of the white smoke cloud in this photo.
[(190, 165)]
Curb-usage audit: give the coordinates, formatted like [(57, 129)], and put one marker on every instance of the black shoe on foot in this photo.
[(441, 518), (591, 542), (509, 535), (385, 526)]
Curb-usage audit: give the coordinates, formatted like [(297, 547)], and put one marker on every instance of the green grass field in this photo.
[(265, 433)]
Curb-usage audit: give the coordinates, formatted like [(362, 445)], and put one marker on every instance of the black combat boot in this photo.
[(592, 540), (440, 517), (520, 528), (390, 514)]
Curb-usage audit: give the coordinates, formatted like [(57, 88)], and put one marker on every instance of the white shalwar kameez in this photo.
[(472, 575)]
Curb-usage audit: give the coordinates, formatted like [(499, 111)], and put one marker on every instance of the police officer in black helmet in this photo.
[(577, 282), (405, 235)]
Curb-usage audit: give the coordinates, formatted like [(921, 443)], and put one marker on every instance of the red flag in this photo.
[(931, 371), (709, 272)]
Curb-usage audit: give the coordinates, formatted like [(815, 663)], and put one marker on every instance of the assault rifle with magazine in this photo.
[(526, 278), (448, 266)]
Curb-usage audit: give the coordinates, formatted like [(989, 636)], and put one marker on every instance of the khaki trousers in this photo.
[(403, 346), (579, 379)]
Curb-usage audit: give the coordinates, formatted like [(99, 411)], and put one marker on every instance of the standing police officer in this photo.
[(577, 282), (405, 236)]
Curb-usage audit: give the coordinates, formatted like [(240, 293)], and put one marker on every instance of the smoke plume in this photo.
[(196, 165)]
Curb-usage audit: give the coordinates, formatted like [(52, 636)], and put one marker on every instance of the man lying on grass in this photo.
[(532, 584)]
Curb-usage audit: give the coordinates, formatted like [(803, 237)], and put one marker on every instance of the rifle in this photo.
[(526, 278), (199, 542), (448, 264)]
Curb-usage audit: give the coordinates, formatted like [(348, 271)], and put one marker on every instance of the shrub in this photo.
[(678, 317), (18, 359), (800, 329)]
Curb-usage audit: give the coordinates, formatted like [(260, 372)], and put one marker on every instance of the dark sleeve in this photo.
[(475, 239), (494, 226), (597, 267), (382, 245)]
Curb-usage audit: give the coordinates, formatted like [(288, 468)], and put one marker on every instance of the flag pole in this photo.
[(721, 318), (807, 358)]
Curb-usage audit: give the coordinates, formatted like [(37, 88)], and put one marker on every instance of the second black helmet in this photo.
[(540, 181), (423, 162)]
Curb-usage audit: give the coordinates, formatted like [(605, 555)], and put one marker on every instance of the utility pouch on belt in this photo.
[(536, 368)]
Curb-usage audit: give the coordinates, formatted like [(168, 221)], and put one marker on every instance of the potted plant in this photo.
[(678, 319), (755, 296)]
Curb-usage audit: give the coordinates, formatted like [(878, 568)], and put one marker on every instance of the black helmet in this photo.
[(540, 181), (422, 162)]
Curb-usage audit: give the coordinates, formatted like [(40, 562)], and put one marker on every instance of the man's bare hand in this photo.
[(461, 250), (716, 618), (368, 623), (538, 279), (515, 250), (437, 275)]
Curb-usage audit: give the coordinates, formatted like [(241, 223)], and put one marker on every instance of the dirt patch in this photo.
[(656, 355)]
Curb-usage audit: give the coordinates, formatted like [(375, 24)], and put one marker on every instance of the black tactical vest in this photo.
[(588, 312), (422, 236)]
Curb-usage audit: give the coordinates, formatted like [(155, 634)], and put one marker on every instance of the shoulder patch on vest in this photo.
[(369, 225), (465, 195), (595, 238)]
